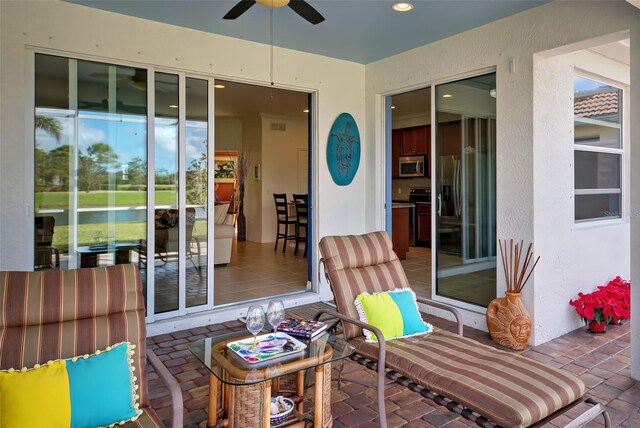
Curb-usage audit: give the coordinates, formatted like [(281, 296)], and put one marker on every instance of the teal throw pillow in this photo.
[(395, 313)]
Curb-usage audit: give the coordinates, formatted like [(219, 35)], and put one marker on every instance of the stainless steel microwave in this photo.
[(412, 166)]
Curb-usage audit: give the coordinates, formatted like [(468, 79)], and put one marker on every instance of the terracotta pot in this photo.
[(597, 327), (509, 321)]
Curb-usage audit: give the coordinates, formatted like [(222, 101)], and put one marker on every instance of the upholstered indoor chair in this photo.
[(61, 314), (483, 384)]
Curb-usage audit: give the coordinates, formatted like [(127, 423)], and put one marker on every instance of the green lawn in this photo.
[(124, 232), (100, 198)]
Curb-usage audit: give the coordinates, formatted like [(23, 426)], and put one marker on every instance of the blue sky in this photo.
[(127, 135)]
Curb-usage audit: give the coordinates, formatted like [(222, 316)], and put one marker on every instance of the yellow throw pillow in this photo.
[(33, 396)]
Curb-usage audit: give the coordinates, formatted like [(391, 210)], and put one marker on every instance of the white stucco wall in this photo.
[(279, 167), (228, 133), (252, 143), (576, 257), (74, 30), (519, 136)]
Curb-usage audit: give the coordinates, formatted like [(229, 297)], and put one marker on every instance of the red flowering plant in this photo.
[(592, 307), (609, 304), (619, 292)]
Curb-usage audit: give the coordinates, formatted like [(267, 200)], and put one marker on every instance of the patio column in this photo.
[(635, 201)]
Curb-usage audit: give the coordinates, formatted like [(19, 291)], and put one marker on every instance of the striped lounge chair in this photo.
[(58, 314), (483, 384)]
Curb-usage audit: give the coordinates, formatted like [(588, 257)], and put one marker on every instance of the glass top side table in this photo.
[(246, 388)]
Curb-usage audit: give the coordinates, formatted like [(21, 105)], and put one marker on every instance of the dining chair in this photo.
[(43, 244), (283, 219), (301, 204)]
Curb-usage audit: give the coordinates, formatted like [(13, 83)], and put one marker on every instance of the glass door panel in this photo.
[(166, 191), (90, 150), (465, 190), (197, 170), (54, 139)]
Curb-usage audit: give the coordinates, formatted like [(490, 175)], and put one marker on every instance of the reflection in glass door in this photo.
[(90, 163), (465, 224), (166, 214), (92, 186), (181, 194)]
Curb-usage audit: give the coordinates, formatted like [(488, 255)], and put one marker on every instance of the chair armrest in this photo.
[(229, 218), (451, 309), (174, 388), (382, 355)]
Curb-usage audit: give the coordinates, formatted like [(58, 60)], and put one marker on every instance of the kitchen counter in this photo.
[(403, 205)]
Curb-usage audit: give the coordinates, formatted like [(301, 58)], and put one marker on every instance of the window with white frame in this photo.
[(598, 150)]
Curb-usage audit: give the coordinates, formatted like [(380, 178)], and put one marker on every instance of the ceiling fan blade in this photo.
[(306, 11), (239, 9)]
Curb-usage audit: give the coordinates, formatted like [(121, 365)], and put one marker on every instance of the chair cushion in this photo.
[(394, 312), (166, 218), (356, 264), (96, 390), (508, 388), (52, 315)]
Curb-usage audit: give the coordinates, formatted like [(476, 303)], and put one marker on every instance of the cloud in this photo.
[(166, 138)]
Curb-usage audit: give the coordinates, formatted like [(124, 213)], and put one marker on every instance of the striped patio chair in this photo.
[(483, 384), (58, 314)]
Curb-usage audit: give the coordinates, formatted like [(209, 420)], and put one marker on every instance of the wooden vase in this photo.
[(509, 321)]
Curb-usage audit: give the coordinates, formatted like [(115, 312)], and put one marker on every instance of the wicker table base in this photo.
[(248, 405)]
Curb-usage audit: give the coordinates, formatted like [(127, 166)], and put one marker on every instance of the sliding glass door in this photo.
[(465, 183), (90, 163), (93, 186)]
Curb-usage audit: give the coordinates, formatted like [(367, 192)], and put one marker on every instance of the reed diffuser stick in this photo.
[(516, 264)]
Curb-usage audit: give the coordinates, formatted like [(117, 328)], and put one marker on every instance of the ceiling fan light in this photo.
[(273, 3), (402, 7)]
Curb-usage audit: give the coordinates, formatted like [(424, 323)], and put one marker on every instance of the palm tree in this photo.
[(50, 125)]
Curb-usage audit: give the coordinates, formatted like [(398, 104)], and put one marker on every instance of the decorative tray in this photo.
[(268, 347)]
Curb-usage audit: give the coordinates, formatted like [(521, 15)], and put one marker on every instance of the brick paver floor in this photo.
[(601, 361)]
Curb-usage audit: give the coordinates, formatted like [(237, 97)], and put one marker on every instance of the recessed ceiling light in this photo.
[(218, 86), (392, 107), (173, 106), (402, 7), (447, 96), (305, 110)]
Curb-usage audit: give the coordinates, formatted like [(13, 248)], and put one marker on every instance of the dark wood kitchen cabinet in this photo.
[(424, 224), (400, 231), (450, 136), (415, 141)]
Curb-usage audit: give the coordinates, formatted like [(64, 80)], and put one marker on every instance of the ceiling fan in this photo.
[(300, 7)]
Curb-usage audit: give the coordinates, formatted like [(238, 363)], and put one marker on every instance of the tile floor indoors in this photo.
[(255, 271), (601, 361), (475, 287)]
